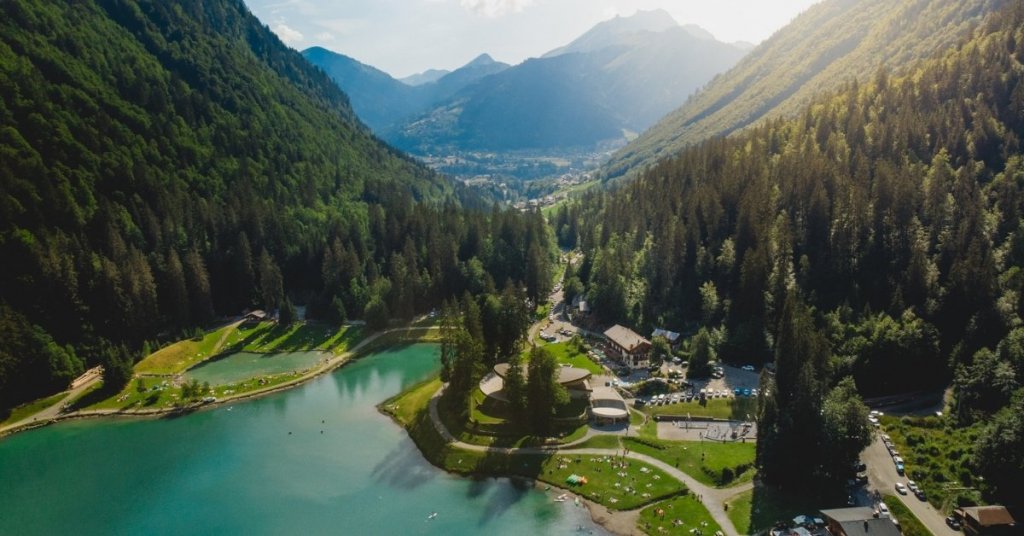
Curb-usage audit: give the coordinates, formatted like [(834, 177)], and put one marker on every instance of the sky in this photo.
[(403, 37)]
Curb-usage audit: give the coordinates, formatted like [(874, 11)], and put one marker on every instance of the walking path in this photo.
[(712, 498), (53, 413)]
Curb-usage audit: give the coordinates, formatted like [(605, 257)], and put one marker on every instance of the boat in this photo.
[(562, 497), (431, 516)]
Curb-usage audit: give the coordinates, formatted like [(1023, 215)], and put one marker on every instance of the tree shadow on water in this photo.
[(403, 468)]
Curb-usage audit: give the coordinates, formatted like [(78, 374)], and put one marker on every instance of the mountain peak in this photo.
[(481, 60), (655, 20)]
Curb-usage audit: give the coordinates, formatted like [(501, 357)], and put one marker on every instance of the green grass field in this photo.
[(567, 353), (638, 484), (757, 510), (736, 409), (184, 354), (678, 515), (910, 525), (937, 456), (267, 337), (30, 408), (711, 463)]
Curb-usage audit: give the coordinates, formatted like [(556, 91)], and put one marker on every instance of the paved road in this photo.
[(712, 498), (882, 477)]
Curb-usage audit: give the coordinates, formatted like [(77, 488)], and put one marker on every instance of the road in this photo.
[(882, 477), (79, 386)]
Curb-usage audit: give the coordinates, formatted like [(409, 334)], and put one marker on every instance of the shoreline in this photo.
[(336, 362)]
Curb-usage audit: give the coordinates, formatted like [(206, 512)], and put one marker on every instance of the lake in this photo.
[(264, 467)]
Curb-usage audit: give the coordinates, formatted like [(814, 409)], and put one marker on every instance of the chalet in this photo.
[(858, 521), (630, 348), (255, 316), (986, 520), (670, 336)]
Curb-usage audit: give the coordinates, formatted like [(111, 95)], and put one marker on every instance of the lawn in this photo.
[(616, 483), (569, 353), (30, 408), (757, 510), (910, 525), (736, 409), (268, 337), (711, 463), (184, 354), (678, 515), (937, 456), (603, 441)]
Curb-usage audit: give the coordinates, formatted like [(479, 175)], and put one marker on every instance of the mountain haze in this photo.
[(832, 42), (619, 77), (380, 100)]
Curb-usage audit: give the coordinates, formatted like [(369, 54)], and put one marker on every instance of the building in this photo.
[(256, 316), (670, 336), (986, 520), (575, 380), (858, 521), (607, 405), (629, 347)]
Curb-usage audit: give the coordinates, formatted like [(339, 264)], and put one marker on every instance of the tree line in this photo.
[(892, 211)]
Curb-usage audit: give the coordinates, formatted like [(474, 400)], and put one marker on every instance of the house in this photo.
[(584, 308), (630, 348), (670, 336), (858, 521), (256, 316), (986, 520)]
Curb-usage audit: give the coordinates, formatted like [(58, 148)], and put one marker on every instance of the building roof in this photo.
[(607, 402), (584, 307), (988, 516), (877, 526), (566, 375), (670, 336), (258, 313), (857, 513), (625, 337)]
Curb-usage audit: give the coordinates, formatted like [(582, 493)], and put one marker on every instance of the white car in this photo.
[(883, 510), (897, 459), (900, 488), (748, 368), (912, 486)]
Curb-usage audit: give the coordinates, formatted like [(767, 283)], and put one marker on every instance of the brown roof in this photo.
[(988, 516), (625, 337)]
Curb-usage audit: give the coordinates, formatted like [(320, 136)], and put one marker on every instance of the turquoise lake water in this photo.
[(242, 365), (236, 470)]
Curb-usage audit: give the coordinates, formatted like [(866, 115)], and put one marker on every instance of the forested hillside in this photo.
[(165, 163), (827, 46), (879, 234)]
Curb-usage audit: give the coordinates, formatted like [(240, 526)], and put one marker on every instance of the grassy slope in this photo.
[(685, 508), (565, 354), (182, 354), (703, 461)]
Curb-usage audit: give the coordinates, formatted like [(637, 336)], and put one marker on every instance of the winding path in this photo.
[(712, 498)]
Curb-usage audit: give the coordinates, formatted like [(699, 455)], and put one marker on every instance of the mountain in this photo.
[(875, 235), (618, 78), (377, 98), (166, 164), (430, 75), (822, 48), (622, 31), (380, 100)]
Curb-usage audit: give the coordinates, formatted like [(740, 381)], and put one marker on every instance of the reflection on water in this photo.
[(317, 459)]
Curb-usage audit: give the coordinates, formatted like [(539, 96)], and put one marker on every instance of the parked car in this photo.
[(883, 510), (861, 479), (953, 523), (920, 495), (912, 486), (900, 469), (748, 368), (901, 489), (746, 392), (860, 466)]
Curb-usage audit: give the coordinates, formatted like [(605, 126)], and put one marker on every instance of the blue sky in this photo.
[(404, 37)]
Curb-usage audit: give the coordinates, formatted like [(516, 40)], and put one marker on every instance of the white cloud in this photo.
[(289, 35), (495, 8)]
